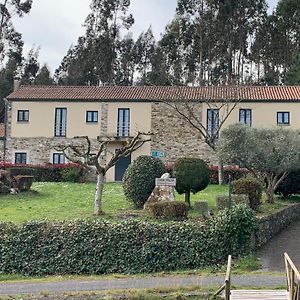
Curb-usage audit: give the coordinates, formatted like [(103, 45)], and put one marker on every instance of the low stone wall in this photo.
[(270, 226)]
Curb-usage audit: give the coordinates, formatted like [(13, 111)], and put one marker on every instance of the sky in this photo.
[(54, 25)]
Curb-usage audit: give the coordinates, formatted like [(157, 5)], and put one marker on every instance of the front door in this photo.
[(121, 167)]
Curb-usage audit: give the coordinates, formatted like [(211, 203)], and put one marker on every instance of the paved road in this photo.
[(271, 255), (141, 283)]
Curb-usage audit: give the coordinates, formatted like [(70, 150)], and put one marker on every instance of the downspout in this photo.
[(5, 129)]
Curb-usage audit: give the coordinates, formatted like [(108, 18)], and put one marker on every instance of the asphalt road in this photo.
[(140, 283)]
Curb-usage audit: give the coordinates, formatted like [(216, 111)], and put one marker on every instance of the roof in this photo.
[(155, 93)]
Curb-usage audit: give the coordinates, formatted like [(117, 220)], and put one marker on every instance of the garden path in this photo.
[(271, 255)]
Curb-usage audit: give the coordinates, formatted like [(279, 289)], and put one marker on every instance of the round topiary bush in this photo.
[(251, 187), (192, 175), (139, 179)]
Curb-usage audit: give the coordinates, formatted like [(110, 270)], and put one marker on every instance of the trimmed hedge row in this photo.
[(47, 173), (233, 171), (101, 247)]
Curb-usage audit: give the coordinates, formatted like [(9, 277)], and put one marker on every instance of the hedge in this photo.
[(234, 171), (46, 173), (101, 247)]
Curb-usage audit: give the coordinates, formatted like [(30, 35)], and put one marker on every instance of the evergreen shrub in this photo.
[(169, 210), (102, 247), (290, 185), (251, 187), (139, 179)]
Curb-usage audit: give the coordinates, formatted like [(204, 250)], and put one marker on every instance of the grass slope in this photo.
[(69, 201)]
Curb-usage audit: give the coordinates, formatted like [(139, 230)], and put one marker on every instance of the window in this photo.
[(246, 116), (212, 122), (92, 117), (60, 126), (58, 158), (283, 118), (20, 158), (23, 115), (123, 122)]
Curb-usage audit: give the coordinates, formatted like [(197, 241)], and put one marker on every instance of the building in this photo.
[(41, 117)]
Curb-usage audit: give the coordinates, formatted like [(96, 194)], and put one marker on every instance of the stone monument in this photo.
[(163, 191)]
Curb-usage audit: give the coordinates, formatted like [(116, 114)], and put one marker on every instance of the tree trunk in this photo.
[(270, 194), (98, 195), (220, 172), (188, 198)]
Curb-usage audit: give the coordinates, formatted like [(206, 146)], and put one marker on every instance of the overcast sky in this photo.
[(56, 24)]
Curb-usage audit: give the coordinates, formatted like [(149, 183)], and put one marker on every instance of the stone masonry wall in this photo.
[(270, 226), (39, 150), (174, 136)]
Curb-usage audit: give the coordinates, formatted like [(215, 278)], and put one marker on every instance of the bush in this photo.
[(251, 187), (139, 179), (192, 175), (290, 185), (234, 172), (72, 174), (101, 247), (201, 207), (4, 189), (169, 210), (22, 183), (222, 201), (15, 171), (44, 173)]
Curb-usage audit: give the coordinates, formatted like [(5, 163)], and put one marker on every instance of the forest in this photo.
[(209, 42)]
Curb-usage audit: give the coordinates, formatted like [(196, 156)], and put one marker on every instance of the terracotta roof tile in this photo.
[(157, 93)]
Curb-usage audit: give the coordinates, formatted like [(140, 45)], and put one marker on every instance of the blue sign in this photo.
[(158, 154)]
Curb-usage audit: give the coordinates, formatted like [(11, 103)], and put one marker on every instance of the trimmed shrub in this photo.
[(139, 179), (235, 173), (102, 247), (251, 187), (192, 175), (22, 183), (201, 207), (169, 210), (72, 174), (4, 189), (43, 173), (290, 185), (222, 201)]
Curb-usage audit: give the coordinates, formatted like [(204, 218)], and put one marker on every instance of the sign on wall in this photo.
[(158, 154)]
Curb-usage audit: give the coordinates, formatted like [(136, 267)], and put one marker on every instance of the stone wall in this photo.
[(270, 226), (40, 150), (174, 136)]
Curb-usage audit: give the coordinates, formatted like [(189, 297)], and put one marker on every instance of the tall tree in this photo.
[(94, 60), (292, 77), (30, 67), (43, 76), (10, 39), (144, 51)]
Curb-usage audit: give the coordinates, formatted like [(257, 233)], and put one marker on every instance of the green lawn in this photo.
[(69, 201)]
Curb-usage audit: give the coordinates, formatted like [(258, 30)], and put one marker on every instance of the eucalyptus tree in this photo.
[(144, 51), (94, 60), (10, 39)]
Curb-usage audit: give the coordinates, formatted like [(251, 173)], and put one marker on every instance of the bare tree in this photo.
[(209, 129), (82, 154)]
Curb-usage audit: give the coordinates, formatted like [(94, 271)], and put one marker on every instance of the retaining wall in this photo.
[(271, 225)]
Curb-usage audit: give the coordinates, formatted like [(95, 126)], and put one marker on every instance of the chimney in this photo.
[(17, 83)]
